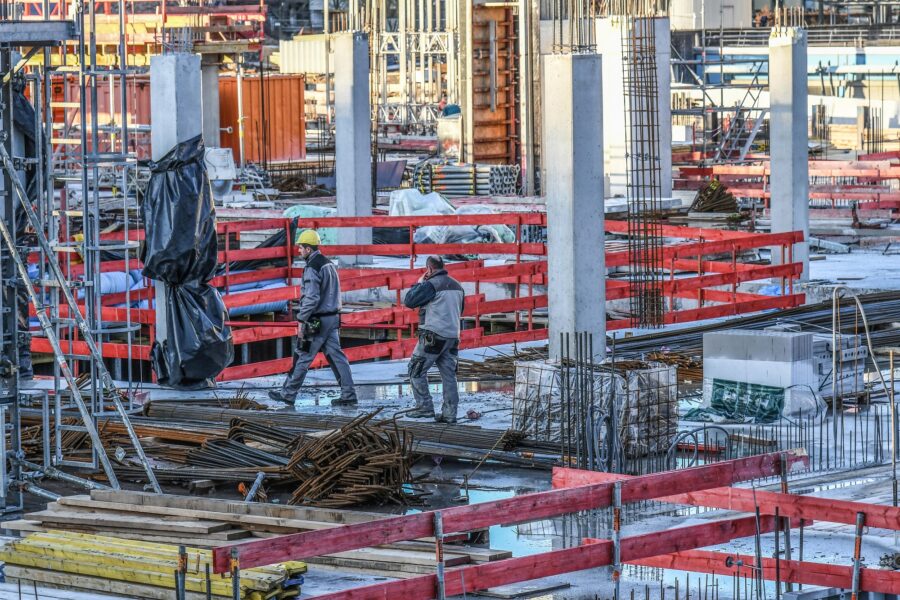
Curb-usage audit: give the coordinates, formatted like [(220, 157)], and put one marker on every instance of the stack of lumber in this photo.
[(136, 568), (207, 523)]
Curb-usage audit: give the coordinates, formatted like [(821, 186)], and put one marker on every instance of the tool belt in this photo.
[(312, 327), (434, 344)]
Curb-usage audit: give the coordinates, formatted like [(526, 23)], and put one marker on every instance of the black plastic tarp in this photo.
[(199, 342), (181, 249), (179, 218)]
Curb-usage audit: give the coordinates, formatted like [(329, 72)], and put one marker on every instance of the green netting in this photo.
[(741, 402)]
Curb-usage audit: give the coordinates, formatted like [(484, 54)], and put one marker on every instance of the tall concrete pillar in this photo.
[(209, 88), (352, 133), (176, 117), (573, 159), (789, 150), (609, 45)]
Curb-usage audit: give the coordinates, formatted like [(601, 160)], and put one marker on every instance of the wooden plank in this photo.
[(808, 508), (558, 562), (792, 571), (263, 523), (518, 509), (403, 557), (521, 589), (71, 581), (102, 519), (201, 541), (324, 515)]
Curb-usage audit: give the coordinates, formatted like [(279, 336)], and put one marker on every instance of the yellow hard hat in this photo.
[(310, 237)]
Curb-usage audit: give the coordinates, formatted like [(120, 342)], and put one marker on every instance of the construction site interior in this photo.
[(664, 236)]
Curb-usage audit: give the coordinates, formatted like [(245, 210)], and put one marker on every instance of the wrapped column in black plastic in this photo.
[(181, 250)]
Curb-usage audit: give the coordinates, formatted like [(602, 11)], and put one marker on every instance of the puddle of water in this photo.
[(385, 394), (837, 485), (507, 537)]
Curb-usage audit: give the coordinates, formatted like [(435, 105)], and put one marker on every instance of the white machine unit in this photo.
[(222, 172)]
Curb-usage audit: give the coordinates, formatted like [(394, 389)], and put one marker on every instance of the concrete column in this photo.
[(209, 87), (352, 133), (174, 111), (573, 159), (176, 117), (609, 45), (789, 150)]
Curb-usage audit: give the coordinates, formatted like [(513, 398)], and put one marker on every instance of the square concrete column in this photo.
[(609, 45), (176, 116), (352, 137), (175, 109), (789, 150), (573, 159), (209, 86)]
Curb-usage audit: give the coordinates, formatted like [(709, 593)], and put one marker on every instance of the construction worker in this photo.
[(320, 322), (440, 300)]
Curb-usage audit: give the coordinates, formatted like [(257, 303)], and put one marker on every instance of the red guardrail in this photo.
[(703, 269), (874, 184)]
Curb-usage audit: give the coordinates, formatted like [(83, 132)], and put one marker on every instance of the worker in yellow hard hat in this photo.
[(320, 322)]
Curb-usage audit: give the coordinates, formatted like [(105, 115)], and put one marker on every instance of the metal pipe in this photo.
[(54, 473), (254, 489), (617, 538), (439, 553), (235, 574), (39, 491), (857, 551)]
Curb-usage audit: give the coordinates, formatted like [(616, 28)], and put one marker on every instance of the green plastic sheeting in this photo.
[(741, 402), (306, 211)]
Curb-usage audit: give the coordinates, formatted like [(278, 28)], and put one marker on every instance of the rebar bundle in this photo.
[(645, 242), (354, 464), (714, 197)]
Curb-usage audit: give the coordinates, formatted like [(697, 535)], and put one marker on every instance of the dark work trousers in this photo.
[(327, 341), (434, 350)]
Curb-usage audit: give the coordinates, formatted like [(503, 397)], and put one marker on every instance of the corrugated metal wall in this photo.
[(274, 120), (303, 54)]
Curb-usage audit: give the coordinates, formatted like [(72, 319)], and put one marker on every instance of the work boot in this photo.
[(344, 402), (447, 420), (421, 413), (280, 397)]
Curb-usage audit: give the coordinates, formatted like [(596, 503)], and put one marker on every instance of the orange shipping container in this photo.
[(274, 120)]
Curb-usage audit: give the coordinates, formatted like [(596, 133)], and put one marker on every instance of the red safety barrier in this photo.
[(873, 183), (702, 266), (521, 509)]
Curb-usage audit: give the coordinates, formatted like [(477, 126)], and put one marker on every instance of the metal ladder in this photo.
[(42, 310), (738, 138)]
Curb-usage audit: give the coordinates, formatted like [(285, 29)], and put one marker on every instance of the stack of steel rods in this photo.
[(355, 464), (468, 436), (230, 453), (882, 310)]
